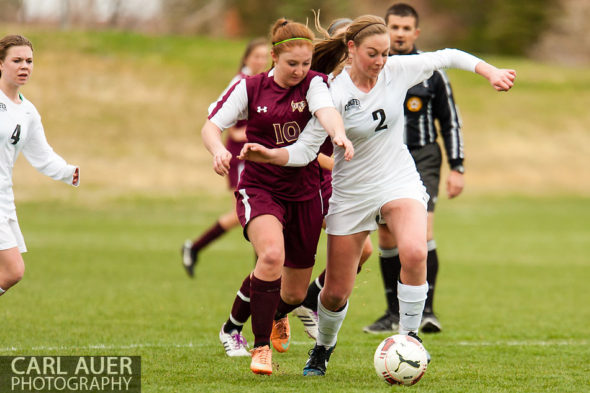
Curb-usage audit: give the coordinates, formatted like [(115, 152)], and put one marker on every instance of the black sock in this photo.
[(431, 273), (311, 299), (229, 326), (390, 269)]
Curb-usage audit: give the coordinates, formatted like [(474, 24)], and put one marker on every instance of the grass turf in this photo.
[(108, 281)]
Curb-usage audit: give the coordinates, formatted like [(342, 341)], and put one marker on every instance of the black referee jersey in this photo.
[(427, 101)]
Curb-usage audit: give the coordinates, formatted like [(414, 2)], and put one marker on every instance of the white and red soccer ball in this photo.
[(400, 360)]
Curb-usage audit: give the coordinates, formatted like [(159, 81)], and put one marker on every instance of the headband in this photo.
[(363, 28), (290, 39)]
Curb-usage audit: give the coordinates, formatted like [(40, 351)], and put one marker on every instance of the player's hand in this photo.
[(455, 184), (255, 152), (76, 178), (502, 79), (346, 144), (221, 161)]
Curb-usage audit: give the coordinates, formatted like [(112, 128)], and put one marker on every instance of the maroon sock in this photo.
[(284, 309), (240, 311), (212, 233), (264, 298)]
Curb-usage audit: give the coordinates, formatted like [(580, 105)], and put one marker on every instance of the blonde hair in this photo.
[(329, 54)]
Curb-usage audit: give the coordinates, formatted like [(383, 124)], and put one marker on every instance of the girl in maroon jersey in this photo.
[(254, 61), (280, 208)]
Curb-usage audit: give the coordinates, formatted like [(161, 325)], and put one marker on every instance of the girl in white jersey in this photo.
[(380, 184), (20, 129)]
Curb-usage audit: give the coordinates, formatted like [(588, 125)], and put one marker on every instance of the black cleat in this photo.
[(318, 360), (388, 323), (189, 259), (430, 323), (414, 335)]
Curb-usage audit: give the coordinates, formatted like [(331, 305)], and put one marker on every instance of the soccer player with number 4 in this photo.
[(381, 183), (20, 130)]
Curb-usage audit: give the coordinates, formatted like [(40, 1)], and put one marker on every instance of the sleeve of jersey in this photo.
[(42, 157), (233, 106), (306, 149), (419, 67), (318, 95)]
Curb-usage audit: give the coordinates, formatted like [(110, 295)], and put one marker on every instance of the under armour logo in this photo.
[(261, 109)]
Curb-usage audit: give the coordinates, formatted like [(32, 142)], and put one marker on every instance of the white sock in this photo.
[(2, 291), (329, 324), (411, 305)]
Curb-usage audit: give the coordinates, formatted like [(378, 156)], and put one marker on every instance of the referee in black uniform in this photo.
[(426, 102)]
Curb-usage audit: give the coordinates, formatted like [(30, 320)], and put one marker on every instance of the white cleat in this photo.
[(310, 320), (234, 343)]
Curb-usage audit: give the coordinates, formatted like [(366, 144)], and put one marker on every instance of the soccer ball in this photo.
[(400, 360)]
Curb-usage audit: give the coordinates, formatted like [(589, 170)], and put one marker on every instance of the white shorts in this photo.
[(365, 215), (10, 235)]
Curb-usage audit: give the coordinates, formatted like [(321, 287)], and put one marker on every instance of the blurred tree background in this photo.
[(555, 30)]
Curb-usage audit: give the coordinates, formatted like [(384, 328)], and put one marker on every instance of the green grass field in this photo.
[(103, 268), (512, 297)]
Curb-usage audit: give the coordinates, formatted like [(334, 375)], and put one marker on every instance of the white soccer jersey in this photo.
[(21, 129), (382, 168)]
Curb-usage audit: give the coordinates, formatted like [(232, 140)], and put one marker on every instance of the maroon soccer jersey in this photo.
[(276, 117)]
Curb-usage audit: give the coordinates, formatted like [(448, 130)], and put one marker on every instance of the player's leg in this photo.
[(266, 235), (12, 268), (230, 334), (302, 234), (406, 220), (191, 249), (307, 313), (430, 323), (344, 253), (390, 265)]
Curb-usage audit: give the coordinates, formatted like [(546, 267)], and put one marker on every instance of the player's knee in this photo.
[(11, 275), (271, 256), (294, 297), (333, 299), (413, 255)]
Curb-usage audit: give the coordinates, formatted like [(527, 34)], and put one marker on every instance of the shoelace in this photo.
[(239, 341), (262, 353), (282, 328)]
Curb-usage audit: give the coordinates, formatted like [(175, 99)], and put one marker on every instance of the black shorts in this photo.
[(428, 162)]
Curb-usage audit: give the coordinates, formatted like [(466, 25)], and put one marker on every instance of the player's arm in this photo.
[(331, 121), (41, 156), (232, 107), (322, 107), (211, 135)]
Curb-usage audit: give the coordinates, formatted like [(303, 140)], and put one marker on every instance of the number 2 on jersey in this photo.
[(15, 135), (379, 114)]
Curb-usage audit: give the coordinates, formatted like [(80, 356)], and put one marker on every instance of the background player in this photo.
[(20, 130), (254, 61)]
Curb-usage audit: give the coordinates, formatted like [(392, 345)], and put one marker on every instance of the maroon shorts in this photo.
[(301, 220)]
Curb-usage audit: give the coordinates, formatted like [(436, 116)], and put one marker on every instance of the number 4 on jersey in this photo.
[(15, 135)]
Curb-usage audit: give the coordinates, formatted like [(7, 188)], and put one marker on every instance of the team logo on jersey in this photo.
[(2, 107), (261, 109), (353, 103), (299, 106), (414, 104)]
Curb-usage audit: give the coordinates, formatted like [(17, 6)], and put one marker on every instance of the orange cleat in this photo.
[(281, 334), (261, 360)]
